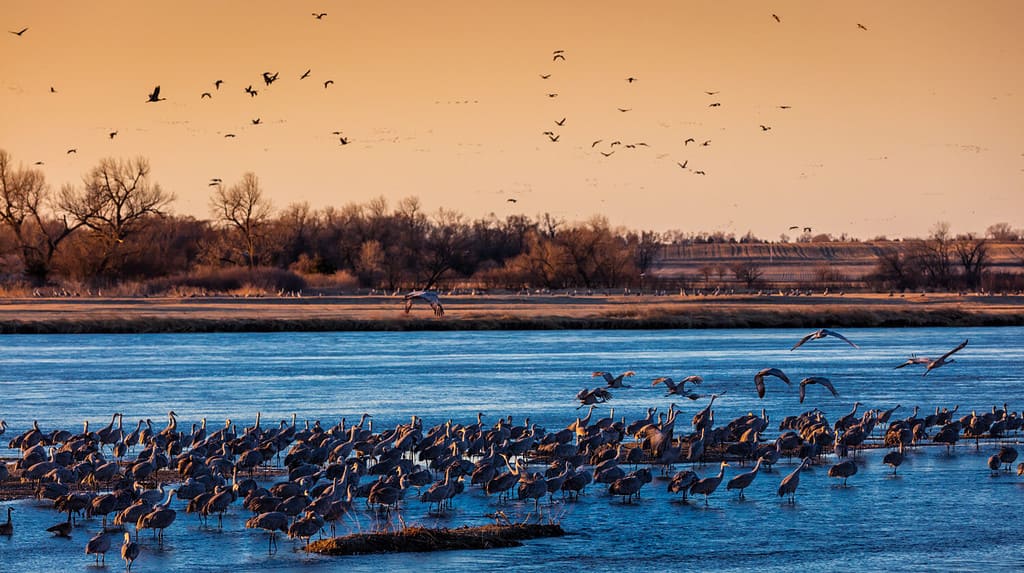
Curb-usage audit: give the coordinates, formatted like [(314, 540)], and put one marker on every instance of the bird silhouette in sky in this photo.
[(861, 26), (511, 200), (699, 173), (23, 30), (794, 227), (217, 83), (269, 79), (39, 163), (229, 135), (545, 76), (72, 150), (250, 91), (112, 134), (614, 143), (52, 90), (552, 95), (328, 83), (215, 181), (716, 104), (624, 110), (155, 96), (785, 106), (256, 121), (630, 79), (683, 164), (596, 142), (562, 122), (689, 140), (343, 140), (607, 154), (706, 143), (765, 127), (305, 75), (808, 229), (711, 93), (558, 54), (554, 138), (319, 15), (777, 19), (206, 94)]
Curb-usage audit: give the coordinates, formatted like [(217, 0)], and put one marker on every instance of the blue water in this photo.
[(941, 512)]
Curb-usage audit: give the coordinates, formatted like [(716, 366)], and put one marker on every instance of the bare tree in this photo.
[(646, 245), (935, 255), (446, 245), (1003, 232), (26, 209), (243, 208), (748, 272), (117, 200), (973, 254)]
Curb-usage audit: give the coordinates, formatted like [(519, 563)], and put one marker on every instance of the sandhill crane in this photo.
[(159, 519), (680, 388), (994, 463), (942, 360), (822, 333), (914, 359), (742, 481), (682, 481), (271, 522), (427, 295), (593, 396), (1007, 455), (843, 469), (789, 483), (816, 380), (129, 551), (98, 546), (155, 96), (616, 381), (759, 379), (708, 485), (306, 527), (893, 459)]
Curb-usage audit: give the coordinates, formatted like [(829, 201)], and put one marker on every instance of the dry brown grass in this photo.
[(495, 312)]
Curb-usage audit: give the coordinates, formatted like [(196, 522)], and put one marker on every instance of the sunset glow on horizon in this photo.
[(866, 119)]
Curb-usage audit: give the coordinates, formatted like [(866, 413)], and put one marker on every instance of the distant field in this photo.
[(496, 312), (799, 262)]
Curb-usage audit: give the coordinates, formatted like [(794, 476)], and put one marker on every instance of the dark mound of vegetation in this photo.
[(419, 539)]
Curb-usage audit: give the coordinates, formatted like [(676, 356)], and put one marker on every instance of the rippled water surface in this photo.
[(941, 512)]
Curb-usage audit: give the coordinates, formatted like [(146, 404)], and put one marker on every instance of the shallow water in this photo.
[(941, 512)]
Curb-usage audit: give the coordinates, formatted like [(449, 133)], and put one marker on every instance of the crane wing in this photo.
[(954, 351)]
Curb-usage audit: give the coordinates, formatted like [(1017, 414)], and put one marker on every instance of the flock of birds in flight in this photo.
[(600, 395), (557, 56), (268, 78)]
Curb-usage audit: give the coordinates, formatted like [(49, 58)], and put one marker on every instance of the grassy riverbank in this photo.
[(500, 312)]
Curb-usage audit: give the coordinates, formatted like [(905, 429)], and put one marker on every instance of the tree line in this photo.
[(117, 226)]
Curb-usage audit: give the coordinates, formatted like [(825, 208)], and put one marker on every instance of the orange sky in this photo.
[(918, 119)]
